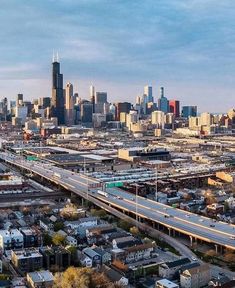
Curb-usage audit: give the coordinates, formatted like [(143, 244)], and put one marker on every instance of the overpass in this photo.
[(196, 227)]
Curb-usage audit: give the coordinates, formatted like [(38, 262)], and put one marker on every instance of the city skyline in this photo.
[(90, 38)]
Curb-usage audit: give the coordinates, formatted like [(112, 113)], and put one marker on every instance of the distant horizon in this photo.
[(121, 46)]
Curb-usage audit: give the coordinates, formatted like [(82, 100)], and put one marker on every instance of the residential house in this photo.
[(195, 277), (125, 242), (11, 239), (56, 256), (165, 283), (169, 270), (27, 260), (79, 226), (40, 279), (115, 276)]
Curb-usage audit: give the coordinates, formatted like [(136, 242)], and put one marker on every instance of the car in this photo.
[(194, 259), (232, 237), (212, 225)]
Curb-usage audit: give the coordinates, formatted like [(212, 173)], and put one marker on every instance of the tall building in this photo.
[(158, 119), (188, 111), (100, 100), (57, 100), (148, 91), (174, 106), (92, 96), (163, 103), (69, 104), (122, 107), (86, 112), (19, 99)]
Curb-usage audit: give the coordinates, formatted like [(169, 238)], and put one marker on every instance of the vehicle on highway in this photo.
[(102, 193), (232, 237), (57, 175), (194, 259)]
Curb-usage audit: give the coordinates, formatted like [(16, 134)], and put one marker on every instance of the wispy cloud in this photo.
[(125, 44)]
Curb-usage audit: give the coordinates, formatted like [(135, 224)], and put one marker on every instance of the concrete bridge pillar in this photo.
[(216, 248), (191, 241), (169, 231)]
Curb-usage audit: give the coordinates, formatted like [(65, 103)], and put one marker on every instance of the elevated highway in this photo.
[(196, 227)]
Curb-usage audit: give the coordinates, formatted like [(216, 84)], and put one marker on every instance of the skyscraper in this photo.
[(148, 92), (100, 100), (57, 99), (92, 96), (188, 111), (163, 103), (69, 104), (175, 107)]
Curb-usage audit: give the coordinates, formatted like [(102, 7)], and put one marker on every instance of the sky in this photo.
[(187, 46)]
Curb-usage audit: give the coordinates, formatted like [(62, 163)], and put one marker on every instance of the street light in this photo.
[(156, 192), (136, 203)]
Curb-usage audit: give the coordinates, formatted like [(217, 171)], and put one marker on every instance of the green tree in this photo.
[(124, 224), (47, 239), (58, 226), (134, 230)]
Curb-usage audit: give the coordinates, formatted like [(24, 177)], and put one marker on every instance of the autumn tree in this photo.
[(58, 239)]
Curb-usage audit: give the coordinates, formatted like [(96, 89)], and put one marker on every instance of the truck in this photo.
[(102, 193), (57, 175)]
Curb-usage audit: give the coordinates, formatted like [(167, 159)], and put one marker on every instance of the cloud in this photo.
[(121, 45)]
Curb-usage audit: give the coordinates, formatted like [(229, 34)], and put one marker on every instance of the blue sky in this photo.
[(187, 46)]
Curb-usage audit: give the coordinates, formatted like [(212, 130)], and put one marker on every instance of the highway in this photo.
[(187, 223)]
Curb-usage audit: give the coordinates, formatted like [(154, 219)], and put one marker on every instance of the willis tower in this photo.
[(57, 100)]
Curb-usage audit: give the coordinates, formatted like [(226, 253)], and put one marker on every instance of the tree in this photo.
[(124, 225), (229, 257), (98, 213), (47, 239), (134, 230), (58, 239), (210, 253), (81, 278), (58, 226)]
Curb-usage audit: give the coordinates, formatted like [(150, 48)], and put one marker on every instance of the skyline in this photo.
[(91, 36)]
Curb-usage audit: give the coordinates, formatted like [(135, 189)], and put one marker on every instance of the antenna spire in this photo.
[(53, 56), (57, 56)]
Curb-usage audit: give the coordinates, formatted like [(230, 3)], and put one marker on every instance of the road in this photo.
[(188, 223)]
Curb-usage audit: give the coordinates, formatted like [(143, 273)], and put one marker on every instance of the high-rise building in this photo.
[(92, 96), (163, 103), (19, 99), (44, 102), (124, 107), (57, 99), (100, 100), (158, 119), (188, 111), (148, 91), (86, 112), (174, 106), (69, 105)]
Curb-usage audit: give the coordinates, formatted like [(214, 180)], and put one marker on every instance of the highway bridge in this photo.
[(196, 227)]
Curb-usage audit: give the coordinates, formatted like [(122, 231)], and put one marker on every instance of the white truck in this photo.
[(102, 193), (57, 175)]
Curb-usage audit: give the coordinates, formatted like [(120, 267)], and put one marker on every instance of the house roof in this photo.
[(139, 247), (177, 263)]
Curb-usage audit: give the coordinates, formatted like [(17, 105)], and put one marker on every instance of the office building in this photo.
[(148, 92), (86, 112), (57, 99), (163, 103), (124, 107), (69, 105), (158, 119), (188, 111), (174, 106), (100, 100), (92, 96), (19, 99)]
